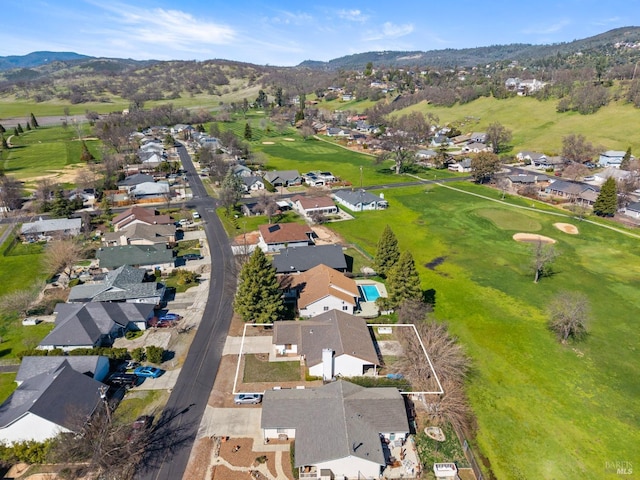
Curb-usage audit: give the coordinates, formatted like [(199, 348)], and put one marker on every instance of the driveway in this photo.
[(261, 344), (165, 382), (239, 422)]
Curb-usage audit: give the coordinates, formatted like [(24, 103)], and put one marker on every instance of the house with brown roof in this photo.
[(319, 290), (137, 214), (277, 236), (310, 206), (333, 343)]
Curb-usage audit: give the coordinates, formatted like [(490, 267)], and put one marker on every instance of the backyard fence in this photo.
[(468, 453)]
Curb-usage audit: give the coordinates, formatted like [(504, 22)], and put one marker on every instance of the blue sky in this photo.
[(285, 32)]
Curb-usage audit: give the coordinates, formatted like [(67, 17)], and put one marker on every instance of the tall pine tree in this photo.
[(387, 253), (258, 299), (403, 281), (607, 202), (247, 131), (626, 160), (34, 122)]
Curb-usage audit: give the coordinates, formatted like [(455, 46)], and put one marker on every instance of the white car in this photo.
[(195, 215)]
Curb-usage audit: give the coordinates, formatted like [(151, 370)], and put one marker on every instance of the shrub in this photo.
[(138, 354), (155, 354), (74, 282), (133, 334)]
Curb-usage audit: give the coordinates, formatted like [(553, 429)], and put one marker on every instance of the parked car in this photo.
[(192, 256), (129, 365), (247, 398), (126, 380), (195, 215), (169, 317), (147, 371)]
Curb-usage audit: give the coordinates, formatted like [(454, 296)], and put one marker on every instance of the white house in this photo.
[(47, 404), (252, 183), (309, 206), (360, 200), (462, 166), (277, 236), (321, 289), (350, 440), (611, 171), (633, 210), (56, 227), (611, 158), (332, 344)]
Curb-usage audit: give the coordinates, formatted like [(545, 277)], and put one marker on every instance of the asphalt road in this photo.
[(189, 397)]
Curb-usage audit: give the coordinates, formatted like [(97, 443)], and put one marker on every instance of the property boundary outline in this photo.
[(372, 325)]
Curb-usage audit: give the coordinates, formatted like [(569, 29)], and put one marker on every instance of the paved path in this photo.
[(251, 345)]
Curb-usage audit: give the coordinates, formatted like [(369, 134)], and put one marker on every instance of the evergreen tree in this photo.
[(28, 126), (258, 299), (247, 131), (626, 160), (20, 129), (403, 281), (2, 129), (607, 201), (15, 132), (279, 97), (5, 145), (231, 190), (387, 253), (34, 122), (299, 116), (60, 204)]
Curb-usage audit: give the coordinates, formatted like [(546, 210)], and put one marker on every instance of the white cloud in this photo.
[(390, 30), (547, 29), (290, 18), (353, 15)]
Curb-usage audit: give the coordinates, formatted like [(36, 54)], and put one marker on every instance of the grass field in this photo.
[(544, 410), (257, 370), (47, 150), (538, 127)]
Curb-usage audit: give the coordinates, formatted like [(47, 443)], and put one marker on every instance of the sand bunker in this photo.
[(532, 238), (288, 139), (268, 143), (567, 228)]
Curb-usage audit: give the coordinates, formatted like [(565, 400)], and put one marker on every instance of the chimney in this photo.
[(327, 364)]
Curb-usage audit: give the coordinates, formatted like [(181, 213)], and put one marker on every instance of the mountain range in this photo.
[(603, 44)]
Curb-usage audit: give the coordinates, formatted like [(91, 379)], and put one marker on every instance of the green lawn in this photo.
[(7, 385), (537, 126), (140, 402), (46, 150), (544, 410), (257, 370)]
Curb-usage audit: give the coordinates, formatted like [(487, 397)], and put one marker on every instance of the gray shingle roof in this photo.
[(357, 196), (352, 419), (111, 257), (84, 324), (124, 283), (32, 366), (337, 330), (301, 259), (60, 395), (52, 225)]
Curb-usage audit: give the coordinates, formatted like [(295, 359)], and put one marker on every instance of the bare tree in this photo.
[(452, 406), (543, 256), (10, 193), (576, 148), (267, 205), (20, 301), (61, 255), (568, 315), (575, 171), (307, 132)]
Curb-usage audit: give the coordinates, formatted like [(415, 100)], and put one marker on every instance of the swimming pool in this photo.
[(369, 292)]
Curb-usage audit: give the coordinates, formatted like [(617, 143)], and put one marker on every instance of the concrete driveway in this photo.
[(239, 422), (251, 345), (164, 382)]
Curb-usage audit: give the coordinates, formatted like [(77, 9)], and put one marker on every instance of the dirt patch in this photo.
[(222, 392), (268, 143), (200, 459), (326, 236), (567, 228), (532, 238)]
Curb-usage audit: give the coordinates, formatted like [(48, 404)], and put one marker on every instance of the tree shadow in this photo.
[(429, 297)]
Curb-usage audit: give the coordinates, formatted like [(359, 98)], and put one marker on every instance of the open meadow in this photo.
[(536, 125), (544, 410)]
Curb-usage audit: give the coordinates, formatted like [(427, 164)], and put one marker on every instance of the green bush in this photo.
[(138, 354), (74, 282), (155, 354), (28, 452), (133, 334)]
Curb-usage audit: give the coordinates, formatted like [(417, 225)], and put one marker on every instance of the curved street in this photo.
[(189, 397)]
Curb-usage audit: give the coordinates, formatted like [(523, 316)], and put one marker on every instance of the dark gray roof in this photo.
[(352, 417), (571, 188), (527, 178), (301, 259), (135, 231), (32, 366), (135, 179), (345, 334), (124, 283), (634, 207), (111, 257), (60, 395), (84, 324)]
